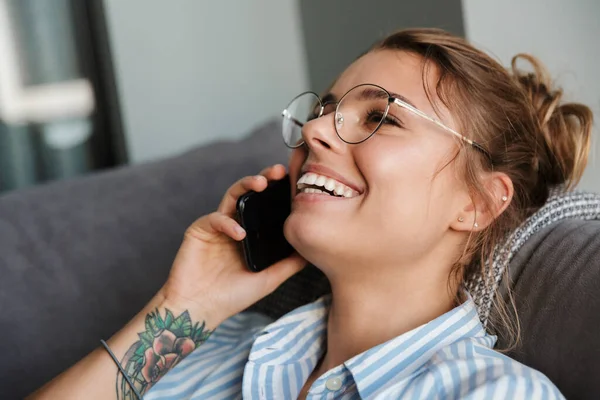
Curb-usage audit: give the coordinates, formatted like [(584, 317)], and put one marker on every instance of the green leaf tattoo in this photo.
[(182, 325), (169, 319), (162, 345)]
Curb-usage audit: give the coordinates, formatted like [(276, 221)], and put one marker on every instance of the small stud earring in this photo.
[(475, 225), (504, 198), (461, 219)]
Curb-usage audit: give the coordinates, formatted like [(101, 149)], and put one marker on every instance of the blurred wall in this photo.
[(191, 71), (564, 35), (342, 30)]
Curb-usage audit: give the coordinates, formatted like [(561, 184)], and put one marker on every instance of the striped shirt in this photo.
[(252, 357)]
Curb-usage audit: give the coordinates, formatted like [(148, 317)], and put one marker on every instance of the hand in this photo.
[(209, 274)]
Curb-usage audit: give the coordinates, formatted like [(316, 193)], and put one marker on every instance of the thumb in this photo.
[(280, 272)]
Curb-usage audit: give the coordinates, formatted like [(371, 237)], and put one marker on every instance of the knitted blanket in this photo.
[(561, 205)]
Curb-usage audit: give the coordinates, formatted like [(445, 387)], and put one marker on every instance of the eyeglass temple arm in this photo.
[(435, 121), (441, 125)]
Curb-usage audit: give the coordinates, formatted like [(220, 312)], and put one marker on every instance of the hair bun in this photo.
[(565, 129)]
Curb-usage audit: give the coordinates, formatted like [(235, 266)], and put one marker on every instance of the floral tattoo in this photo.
[(162, 345)]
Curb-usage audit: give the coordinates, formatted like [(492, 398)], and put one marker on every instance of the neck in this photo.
[(375, 308)]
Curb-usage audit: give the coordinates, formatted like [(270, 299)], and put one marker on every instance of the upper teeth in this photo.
[(330, 184)]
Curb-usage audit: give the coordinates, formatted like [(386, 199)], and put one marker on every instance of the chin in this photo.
[(315, 239), (303, 230)]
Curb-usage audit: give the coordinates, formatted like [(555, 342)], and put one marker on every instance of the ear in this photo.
[(476, 215)]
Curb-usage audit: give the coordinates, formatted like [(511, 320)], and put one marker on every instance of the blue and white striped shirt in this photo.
[(450, 357)]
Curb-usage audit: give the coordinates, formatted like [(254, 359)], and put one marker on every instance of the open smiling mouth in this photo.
[(315, 183)]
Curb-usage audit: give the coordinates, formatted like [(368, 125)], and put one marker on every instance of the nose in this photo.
[(319, 135)]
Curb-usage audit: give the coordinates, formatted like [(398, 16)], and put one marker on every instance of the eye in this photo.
[(374, 116)]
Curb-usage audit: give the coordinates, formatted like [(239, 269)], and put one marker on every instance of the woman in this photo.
[(422, 156)]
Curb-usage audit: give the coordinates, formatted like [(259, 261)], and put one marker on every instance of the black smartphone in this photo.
[(262, 215)]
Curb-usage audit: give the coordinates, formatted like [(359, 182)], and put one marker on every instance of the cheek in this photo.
[(394, 168), (403, 182), (297, 158)]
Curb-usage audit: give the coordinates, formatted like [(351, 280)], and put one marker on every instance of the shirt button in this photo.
[(333, 383)]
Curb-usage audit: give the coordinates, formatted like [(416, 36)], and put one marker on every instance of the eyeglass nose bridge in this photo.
[(338, 117), (322, 107)]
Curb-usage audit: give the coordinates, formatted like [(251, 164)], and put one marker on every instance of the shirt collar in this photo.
[(406, 354), (296, 336), (300, 336)]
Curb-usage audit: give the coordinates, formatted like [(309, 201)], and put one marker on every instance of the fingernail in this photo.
[(239, 230), (257, 177)]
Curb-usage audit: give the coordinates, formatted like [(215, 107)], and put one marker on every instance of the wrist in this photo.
[(200, 310), (163, 333)]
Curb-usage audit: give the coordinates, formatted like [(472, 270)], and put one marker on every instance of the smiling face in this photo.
[(397, 192)]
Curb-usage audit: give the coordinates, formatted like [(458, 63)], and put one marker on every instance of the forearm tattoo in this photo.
[(164, 343)]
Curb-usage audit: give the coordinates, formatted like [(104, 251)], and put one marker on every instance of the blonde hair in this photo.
[(532, 137)]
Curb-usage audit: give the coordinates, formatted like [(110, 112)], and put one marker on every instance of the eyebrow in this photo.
[(369, 94)]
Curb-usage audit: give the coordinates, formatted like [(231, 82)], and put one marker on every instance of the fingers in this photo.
[(274, 172), (216, 222), (256, 183)]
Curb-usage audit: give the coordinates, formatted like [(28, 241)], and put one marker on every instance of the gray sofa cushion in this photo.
[(556, 281)]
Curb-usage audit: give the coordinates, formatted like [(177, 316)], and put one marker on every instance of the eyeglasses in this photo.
[(362, 111)]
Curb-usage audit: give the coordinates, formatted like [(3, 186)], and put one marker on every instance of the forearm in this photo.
[(151, 344)]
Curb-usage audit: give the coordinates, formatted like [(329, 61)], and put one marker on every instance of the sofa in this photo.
[(79, 258)]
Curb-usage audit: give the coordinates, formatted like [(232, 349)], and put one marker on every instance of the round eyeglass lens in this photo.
[(360, 113), (301, 109)]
